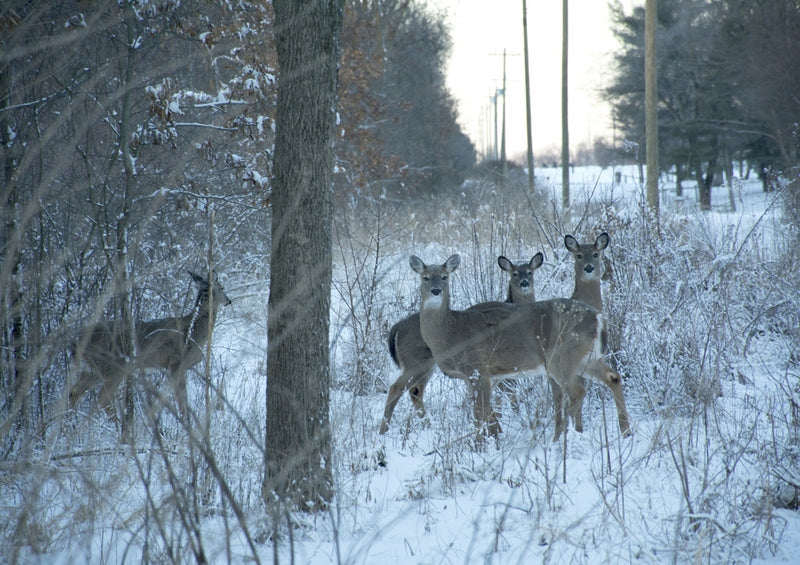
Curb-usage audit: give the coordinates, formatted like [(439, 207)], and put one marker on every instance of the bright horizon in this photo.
[(475, 71)]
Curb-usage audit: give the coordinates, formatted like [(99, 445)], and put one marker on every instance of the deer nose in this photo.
[(436, 291), (588, 268), (524, 284)]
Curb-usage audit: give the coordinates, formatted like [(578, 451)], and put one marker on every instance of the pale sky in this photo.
[(481, 30)]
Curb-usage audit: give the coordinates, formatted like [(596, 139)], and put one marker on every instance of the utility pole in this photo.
[(503, 143), (527, 96), (498, 92), (651, 104), (494, 101), (564, 107)]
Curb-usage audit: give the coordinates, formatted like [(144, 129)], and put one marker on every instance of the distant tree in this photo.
[(400, 129), (604, 153), (761, 43), (297, 458), (696, 103)]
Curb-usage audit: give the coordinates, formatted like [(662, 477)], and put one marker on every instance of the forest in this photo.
[(139, 187)]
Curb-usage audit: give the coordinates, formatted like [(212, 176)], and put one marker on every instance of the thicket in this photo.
[(704, 320)]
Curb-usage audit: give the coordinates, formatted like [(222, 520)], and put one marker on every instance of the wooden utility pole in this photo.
[(527, 96), (494, 149), (564, 106), (651, 104), (503, 142)]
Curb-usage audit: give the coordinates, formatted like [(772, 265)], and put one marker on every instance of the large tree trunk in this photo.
[(298, 442)]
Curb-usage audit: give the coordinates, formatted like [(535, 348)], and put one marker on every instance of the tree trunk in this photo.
[(122, 265), (706, 183), (298, 441)]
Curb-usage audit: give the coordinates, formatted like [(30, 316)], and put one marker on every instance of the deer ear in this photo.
[(571, 243), (505, 264), (536, 261), (452, 262), (416, 264), (197, 278), (602, 241)]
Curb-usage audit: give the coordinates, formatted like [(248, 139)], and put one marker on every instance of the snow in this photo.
[(687, 486)]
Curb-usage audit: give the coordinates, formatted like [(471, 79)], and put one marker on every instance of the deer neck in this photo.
[(517, 296), (198, 322), (435, 317), (588, 291)]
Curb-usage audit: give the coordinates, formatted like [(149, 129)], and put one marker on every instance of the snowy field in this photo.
[(699, 318)]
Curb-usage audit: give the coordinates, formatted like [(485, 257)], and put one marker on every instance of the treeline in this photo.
[(137, 143), (728, 78)]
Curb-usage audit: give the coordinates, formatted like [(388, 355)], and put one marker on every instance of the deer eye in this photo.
[(426, 278), (444, 277), (579, 255), (596, 255)]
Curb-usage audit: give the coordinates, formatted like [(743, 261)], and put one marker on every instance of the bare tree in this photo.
[(298, 441)]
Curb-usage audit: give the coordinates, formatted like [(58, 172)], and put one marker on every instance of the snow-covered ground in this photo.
[(697, 482)]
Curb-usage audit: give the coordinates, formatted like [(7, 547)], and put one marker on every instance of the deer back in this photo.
[(553, 336), (171, 343), (176, 344), (102, 346)]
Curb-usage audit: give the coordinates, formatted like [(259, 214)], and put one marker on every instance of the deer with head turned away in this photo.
[(171, 344), (558, 338), (589, 269), (410, 352)]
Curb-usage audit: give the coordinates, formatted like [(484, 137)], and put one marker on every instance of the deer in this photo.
[(589, 270), (412, 355), (557, 338), (171, 344)]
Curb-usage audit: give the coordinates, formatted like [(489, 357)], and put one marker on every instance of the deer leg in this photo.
[(107, 395), (416, 391), (576, 392), (509, 387), (394, 395), (414, 383), (177, 377), (482, 405), (85, 382), (614, 382), (558, 407)]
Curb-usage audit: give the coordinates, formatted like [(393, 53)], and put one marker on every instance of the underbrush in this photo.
[(704, 327)]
